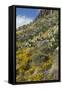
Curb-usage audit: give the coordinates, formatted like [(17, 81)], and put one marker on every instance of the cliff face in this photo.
[(36, 48), (44, 12)]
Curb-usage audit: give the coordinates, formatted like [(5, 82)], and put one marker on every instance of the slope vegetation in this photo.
[(37, 48)]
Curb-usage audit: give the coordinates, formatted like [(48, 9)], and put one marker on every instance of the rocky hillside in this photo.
[(37, 48)]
